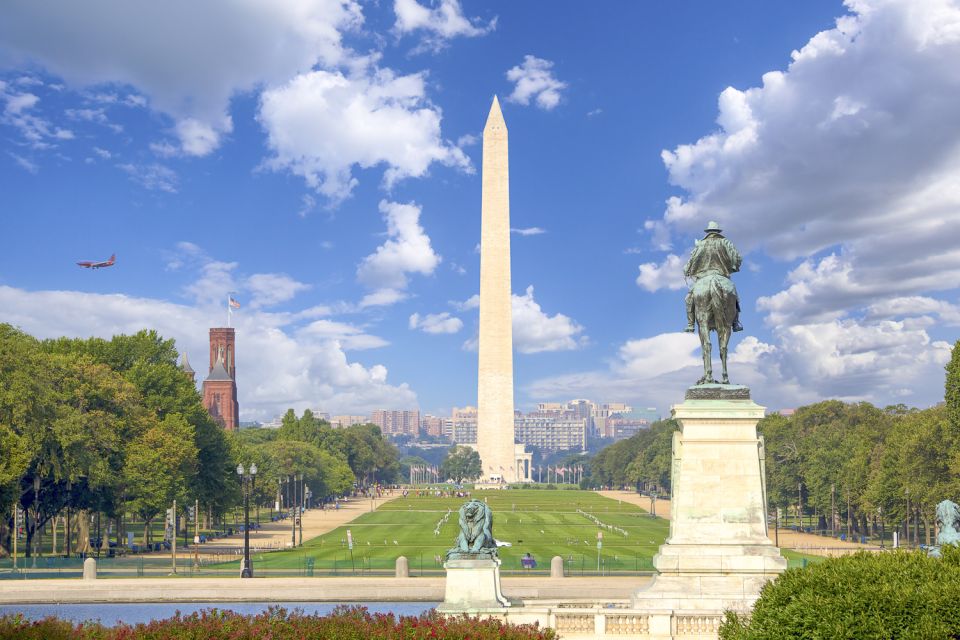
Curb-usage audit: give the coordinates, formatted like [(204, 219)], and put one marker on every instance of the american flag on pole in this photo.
[(234, 304)]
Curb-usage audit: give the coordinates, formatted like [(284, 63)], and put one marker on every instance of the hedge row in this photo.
[(903, 595), (345, 623)]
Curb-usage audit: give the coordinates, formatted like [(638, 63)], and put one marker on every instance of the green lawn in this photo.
[(543, 523)]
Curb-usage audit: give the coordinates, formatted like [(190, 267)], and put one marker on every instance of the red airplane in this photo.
[(89, 264)]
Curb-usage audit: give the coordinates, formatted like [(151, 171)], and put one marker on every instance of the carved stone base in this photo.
[(472, 584), (715, 391), (713, 593)]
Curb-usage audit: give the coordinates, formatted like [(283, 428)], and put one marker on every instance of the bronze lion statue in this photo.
[(476, 535)]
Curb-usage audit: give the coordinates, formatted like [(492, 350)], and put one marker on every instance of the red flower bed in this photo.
[(345, 623)]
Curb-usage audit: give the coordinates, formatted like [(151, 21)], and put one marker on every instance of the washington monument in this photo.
[(495, 380)]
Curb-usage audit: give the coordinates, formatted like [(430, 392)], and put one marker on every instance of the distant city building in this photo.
[(397, 423), (275, 423), (342, 422), (432, 425), (464, 433), (622, 427), (220, 386), (551, 407), (463, 425), (551, 433), (600, 415), (596, 415), (320, 415)]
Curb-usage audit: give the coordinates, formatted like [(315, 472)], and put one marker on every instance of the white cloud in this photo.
[(473, 302), (534, 331), (153, 177), (198, 138), (215, 281), (666, 275), (25, 163), (535, 81), (307, 204), (854, 360), (468, 140), (272, 288), (439, 25), (436, 323), (882, 362), (912, 306), (406, 250), (382, 298), (18, 112), (835, 161), (103, 153), (278, 364), (164, 149), (348, 336), (221, 48), (529, 231), (838, 150), (321, 123), (17, 103)]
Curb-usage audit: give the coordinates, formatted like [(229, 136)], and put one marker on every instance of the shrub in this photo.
[(345, 623), (899, 594)]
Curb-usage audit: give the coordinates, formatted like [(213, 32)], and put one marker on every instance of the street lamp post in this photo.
[(882, 527), (300, 507), (907, 524), (292, 488), (247, 479)]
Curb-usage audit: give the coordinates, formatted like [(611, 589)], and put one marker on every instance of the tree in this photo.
[(159, 468), (461, 463), (952, 391)]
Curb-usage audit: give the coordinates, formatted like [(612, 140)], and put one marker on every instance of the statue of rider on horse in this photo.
[(712, 301)]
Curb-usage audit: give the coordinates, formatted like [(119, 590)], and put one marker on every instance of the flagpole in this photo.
[(229, 311)]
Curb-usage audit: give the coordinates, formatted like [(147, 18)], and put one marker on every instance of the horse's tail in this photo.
[(718, 302)]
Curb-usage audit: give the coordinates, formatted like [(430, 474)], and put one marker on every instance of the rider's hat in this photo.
[(713, 226)]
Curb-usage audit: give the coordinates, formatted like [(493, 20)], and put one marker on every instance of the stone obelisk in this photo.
[(495, 381)]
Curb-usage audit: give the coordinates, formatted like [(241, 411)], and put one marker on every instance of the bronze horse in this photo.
[(715, 307)]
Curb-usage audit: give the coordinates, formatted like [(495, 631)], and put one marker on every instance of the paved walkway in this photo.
[(803, 542), (277, 535)]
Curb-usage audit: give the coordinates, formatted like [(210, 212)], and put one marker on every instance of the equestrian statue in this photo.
[(712, 301)]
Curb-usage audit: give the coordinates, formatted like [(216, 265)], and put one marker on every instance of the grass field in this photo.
[(543, 523)]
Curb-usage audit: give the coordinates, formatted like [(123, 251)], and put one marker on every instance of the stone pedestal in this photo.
[(472, 584), (90, 569), (718, 554), (402, 568), (556, 567)]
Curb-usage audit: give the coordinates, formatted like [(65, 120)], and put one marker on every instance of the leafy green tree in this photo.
[(159, 468), (462, 463), (952, 391)]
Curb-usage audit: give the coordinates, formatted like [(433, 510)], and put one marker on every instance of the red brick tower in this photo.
[(223, 338), (220, 387)]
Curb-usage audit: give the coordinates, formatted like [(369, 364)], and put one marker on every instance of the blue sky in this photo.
[(322, 160)]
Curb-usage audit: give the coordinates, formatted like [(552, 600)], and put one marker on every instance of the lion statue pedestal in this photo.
[(473, 584), (473, 568)]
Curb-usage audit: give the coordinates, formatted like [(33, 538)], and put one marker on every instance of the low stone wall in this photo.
[(612, 620), (327, 589)]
